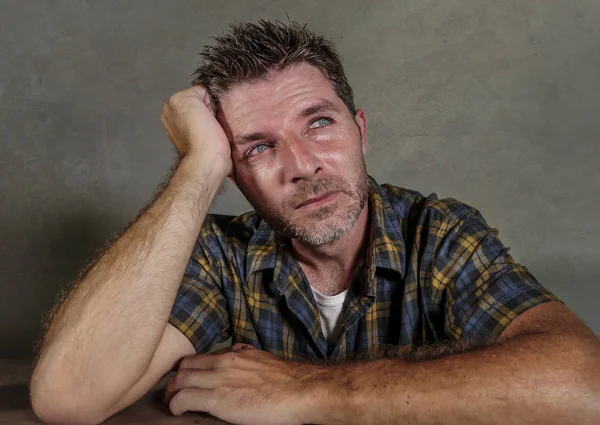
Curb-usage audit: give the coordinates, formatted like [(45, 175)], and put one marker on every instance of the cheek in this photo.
[(261, 180), (344, 155), (259, 184), (343, 144)]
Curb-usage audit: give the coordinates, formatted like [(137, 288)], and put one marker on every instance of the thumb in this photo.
[(240, 347)]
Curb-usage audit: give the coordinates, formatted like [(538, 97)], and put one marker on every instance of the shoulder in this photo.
[(428, 220), (231, 227), (221, 233), (411, 204)]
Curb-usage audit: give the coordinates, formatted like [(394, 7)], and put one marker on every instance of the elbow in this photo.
[(57, 407), (57, 413)]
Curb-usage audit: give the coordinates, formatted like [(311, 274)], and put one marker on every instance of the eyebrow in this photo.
[(322, 106)]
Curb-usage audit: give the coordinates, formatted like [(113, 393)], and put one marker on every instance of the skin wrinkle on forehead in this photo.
[(245, 107)]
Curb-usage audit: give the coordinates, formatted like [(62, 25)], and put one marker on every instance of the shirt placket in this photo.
[(294, 287)]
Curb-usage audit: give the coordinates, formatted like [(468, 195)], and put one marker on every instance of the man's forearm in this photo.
[(104, 335), (531, 379)]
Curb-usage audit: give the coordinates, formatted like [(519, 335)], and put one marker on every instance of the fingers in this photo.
[(233, 348), (231, 175), (191, 399), (202, 93), (204, 361), (210, 371), (215, 370), (198, 90), (194, 378), (209, 103)]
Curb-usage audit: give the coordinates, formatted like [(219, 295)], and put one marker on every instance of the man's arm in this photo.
[(544, 364), (104, 335), (545, 369)]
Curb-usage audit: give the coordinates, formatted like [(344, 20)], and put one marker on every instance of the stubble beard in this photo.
[(321, 226)]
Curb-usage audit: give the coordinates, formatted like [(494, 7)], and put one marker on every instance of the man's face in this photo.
[(293, 140)]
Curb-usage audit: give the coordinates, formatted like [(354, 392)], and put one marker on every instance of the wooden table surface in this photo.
[(15, 407)]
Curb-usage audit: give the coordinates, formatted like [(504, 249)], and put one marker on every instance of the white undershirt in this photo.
[(330, 310)]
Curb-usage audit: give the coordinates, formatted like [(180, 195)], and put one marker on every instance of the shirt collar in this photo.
[(262, 249), (386, 244)]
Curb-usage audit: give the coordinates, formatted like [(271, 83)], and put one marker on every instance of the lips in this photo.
[(316, 199)]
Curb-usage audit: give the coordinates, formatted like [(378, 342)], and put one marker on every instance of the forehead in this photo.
[(280, 94)]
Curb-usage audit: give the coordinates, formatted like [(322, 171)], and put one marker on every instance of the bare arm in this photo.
[(545, 369), (103, 337), (537, 374)]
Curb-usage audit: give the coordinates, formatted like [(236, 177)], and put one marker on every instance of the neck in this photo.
[(339, 256)]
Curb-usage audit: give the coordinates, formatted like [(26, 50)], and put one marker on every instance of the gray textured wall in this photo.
[(495, 103)]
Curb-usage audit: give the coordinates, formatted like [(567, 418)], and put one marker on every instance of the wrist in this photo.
[(217, 163), (202, 171), (325, 395), (196, 185)]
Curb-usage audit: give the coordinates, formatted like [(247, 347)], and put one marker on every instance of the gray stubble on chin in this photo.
[(314, 236)]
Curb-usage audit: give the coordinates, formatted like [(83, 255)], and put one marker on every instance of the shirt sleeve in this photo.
[(481, 287), (200, 310)]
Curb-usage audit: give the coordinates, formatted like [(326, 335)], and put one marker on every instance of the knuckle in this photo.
[(197, 89), (180, 379), (231, 356), (226, 358), (172, 102), (187, 362)]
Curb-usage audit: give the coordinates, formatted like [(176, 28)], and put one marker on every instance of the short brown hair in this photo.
[(249, 51)]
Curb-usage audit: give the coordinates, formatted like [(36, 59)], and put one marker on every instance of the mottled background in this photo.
[(495, 103)]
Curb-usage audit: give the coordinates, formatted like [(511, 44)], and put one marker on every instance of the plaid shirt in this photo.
[(435, 271)]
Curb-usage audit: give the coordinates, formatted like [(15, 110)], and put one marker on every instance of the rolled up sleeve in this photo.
[(200, 309), (481, 288)]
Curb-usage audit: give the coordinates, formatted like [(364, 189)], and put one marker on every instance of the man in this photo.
[(330, 267)]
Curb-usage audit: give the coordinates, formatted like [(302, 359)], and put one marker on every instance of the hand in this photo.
[(243, 385), (189, 118)]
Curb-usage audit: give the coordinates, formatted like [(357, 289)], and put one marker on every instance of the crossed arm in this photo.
[(544, 368)]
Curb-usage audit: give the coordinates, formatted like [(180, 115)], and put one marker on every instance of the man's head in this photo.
[(249, 51), (283, 100)]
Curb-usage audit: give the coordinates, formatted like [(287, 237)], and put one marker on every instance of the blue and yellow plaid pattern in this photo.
[(435, 271)]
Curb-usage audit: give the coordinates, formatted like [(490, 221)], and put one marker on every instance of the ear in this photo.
[(361, 121)]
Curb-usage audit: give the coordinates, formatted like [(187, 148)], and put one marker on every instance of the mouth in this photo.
[(319, 200)]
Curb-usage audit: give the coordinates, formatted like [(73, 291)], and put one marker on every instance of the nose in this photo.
[(300, 161)]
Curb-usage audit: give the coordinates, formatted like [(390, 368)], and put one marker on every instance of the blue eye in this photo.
[(322, 120), (256, 149)]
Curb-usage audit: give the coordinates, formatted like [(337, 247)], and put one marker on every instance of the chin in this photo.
[(322, 227), (322, 235)]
